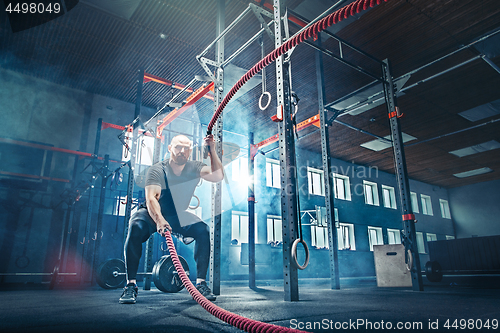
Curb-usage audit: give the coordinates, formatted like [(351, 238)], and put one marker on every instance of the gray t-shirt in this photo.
[(176, 191)]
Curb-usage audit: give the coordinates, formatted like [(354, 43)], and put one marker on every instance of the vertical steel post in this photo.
[(410, 240), (90, 206), (215, 229), (287, 165), (251, 214), (100, 213), (148, 261), (133, 152), (327, 163)]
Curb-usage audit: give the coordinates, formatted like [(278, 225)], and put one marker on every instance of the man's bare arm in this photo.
[(215, 172), (152, 196)]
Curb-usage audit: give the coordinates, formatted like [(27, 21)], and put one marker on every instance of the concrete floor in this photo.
[(359, 301)]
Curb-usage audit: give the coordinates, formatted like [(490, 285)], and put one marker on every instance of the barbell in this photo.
[(434, 272), (111, 274), (55, 273)]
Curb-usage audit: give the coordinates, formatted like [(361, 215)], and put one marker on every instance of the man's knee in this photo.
[(138, 230)]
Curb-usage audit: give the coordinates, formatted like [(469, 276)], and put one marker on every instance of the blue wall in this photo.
[(47, 113), (352, 263), (475, 209)]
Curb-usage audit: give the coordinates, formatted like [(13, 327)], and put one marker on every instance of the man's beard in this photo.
[(180, 159)]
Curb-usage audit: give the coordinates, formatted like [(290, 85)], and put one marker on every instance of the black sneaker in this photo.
[(129, 294), (205, 291)]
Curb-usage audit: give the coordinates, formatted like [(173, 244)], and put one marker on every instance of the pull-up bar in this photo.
[(298, 38)]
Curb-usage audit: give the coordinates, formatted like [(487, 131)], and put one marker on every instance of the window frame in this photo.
[(310, 183), (397, 237), (346, 185), (240, 214), (414, 202), (392, 197), (374, 193), (352, 237), (420, 242), (271, 181), (324, 244), (426, 202), (445, 214), (433, 237), (143, 153), (379, 236), (274, 219)]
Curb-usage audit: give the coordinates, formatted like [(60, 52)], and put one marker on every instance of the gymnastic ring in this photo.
[(408, 266), (197, 205), (268, 100), (294, 253)]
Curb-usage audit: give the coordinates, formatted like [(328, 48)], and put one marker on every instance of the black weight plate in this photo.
[(155, 274), (165, 275), (105, 277), (433, 271)]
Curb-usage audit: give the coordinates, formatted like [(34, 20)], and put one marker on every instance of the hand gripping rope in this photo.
[(244, 324), (314, 29)]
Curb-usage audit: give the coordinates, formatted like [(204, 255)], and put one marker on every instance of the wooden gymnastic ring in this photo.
[(268, 100), (294, 253)]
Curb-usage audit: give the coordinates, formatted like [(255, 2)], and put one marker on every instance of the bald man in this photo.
[(170, 185)]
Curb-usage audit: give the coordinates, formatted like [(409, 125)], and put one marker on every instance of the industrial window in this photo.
[(319, 237), (445, 209), (414, 202), (375, 236), (144, 152), (393, 236), (274, 229), (371, 193), (316, 181), (273, 173), (345, 235), (389, 197), (239, 227), (420, 242), (431, 237), (342, 187), (426, 204), (449, 237), (240, 169), (121, 205)]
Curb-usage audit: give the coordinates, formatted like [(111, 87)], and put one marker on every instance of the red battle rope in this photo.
[(244, 324), (337, 16)]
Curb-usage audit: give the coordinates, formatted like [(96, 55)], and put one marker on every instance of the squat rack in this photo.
[(287, 147)]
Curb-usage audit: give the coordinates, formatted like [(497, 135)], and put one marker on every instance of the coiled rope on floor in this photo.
[(324, 23), (244, 324)]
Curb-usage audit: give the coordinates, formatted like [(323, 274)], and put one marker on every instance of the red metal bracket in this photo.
[(151, 77), (409, 217), (314, 120), (193, 98), (279, 114), (396, 114)]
